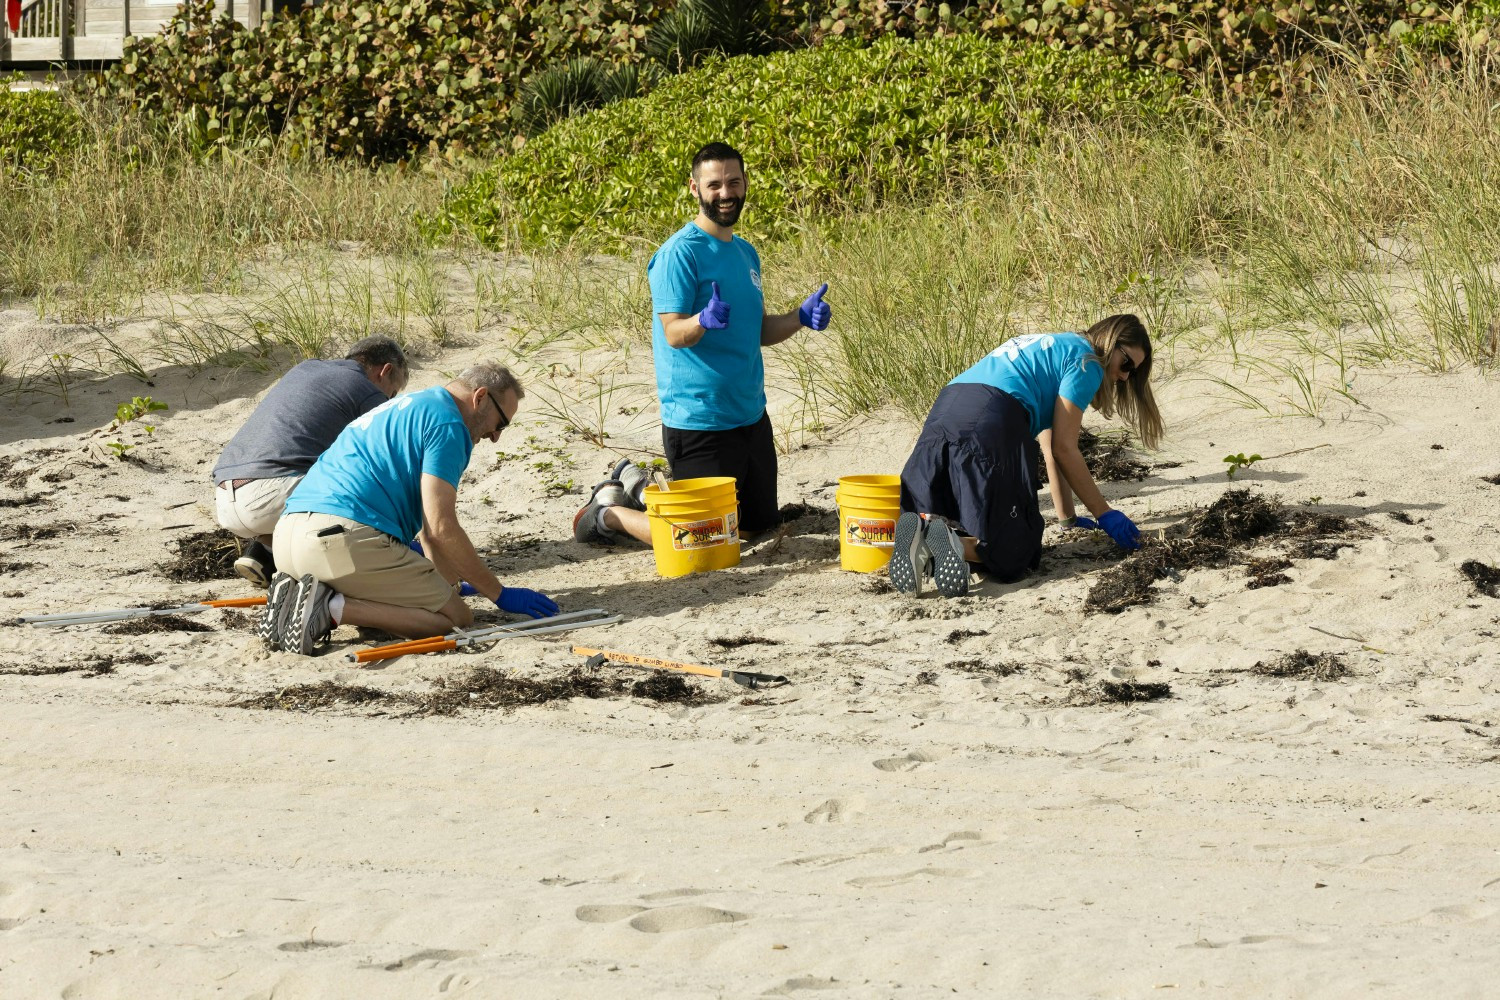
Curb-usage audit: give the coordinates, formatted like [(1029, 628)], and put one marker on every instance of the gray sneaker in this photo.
[(950, 570), (310, 623), (910, 559), (281, 598), (586, 526), (633, 480)]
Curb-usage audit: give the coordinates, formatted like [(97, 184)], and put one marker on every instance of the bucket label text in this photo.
[(688, 535), (873, 532)]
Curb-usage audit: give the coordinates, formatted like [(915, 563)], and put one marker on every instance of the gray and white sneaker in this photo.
[(586, 526), (633, 480), (910, 559), (311, 622), (950, 570), (281, 598)]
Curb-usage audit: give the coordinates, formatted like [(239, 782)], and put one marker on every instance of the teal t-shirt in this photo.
[(1039, 367), (719, 383), (372, 473)]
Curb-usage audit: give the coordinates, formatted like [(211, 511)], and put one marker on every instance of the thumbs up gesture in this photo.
[(715, 315), (814, 312)]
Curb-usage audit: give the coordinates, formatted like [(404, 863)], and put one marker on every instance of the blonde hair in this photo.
[(1132, 398)]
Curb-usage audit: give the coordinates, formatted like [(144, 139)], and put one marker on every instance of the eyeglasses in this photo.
[(504, 420), (1128, 365)]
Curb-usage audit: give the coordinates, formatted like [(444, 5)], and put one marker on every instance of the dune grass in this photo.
[(1296, 247)]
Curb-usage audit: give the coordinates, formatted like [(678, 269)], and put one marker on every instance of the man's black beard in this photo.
[(721, 214)]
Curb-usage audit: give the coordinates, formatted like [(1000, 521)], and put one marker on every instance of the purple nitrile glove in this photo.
[(520, 601), (1083, 523), (715, 315), (1121, 529), (814, 312)]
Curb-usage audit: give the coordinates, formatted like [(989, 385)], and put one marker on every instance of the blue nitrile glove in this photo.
[(814, 312), (1121, 528), (520, 601), (416, 546), (1083, 524), (715, 315)]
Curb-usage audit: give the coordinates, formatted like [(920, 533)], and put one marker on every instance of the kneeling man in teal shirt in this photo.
[(343, 542)]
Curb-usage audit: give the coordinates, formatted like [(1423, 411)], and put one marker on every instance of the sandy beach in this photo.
[(999, 795)]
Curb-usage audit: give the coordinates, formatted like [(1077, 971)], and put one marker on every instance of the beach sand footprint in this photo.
[(310, 944), (907, 762), (900, 878), (608, 913), (433, 955), (956, 841), (652, 897), (835, 811), (799, 983), (684, 918), (1461, 913)]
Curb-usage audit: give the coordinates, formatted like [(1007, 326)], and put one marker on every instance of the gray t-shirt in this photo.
[(298, 420)]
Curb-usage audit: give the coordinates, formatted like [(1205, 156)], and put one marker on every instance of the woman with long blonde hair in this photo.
[(968, 492)]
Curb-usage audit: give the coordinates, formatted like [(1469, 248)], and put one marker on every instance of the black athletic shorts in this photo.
[(747, 453), (975, 464)]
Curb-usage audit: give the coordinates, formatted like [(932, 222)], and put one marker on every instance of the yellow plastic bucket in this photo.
[(868, 508), (694, 525)]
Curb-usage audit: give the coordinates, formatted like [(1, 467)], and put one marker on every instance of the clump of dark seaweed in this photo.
[(735, 642), (315, 697), (1267, 572), (92, 665), (1107, 458), (1486, 579), (1107, 692), (31, 532), (156, 623), (204, 555), (998, 668), (1304, 665), (481, 688), (1217, 536), (1237, 516)]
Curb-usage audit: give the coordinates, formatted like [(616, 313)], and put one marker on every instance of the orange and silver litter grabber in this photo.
[(745, 678), (468, 637), (123, 614)]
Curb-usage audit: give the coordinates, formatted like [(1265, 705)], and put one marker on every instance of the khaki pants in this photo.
[(358, 561), (253, 509)]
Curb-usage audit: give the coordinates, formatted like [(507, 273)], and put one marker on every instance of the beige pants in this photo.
[(358, 561), (252, 510)]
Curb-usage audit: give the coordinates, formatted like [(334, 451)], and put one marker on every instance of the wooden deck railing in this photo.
[(91, 30), (41, 19)]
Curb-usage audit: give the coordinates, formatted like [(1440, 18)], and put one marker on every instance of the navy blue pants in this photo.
[(975, 464)]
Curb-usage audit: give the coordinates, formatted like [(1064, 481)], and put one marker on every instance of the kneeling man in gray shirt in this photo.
[(294, 424)]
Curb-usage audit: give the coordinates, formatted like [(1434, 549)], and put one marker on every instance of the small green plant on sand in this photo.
[(119, 448), (138, 407), (1238, 462)]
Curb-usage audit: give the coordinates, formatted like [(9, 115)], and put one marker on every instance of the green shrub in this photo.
[(824, 130), (373, 79), (38, 129), (1247, 46)]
